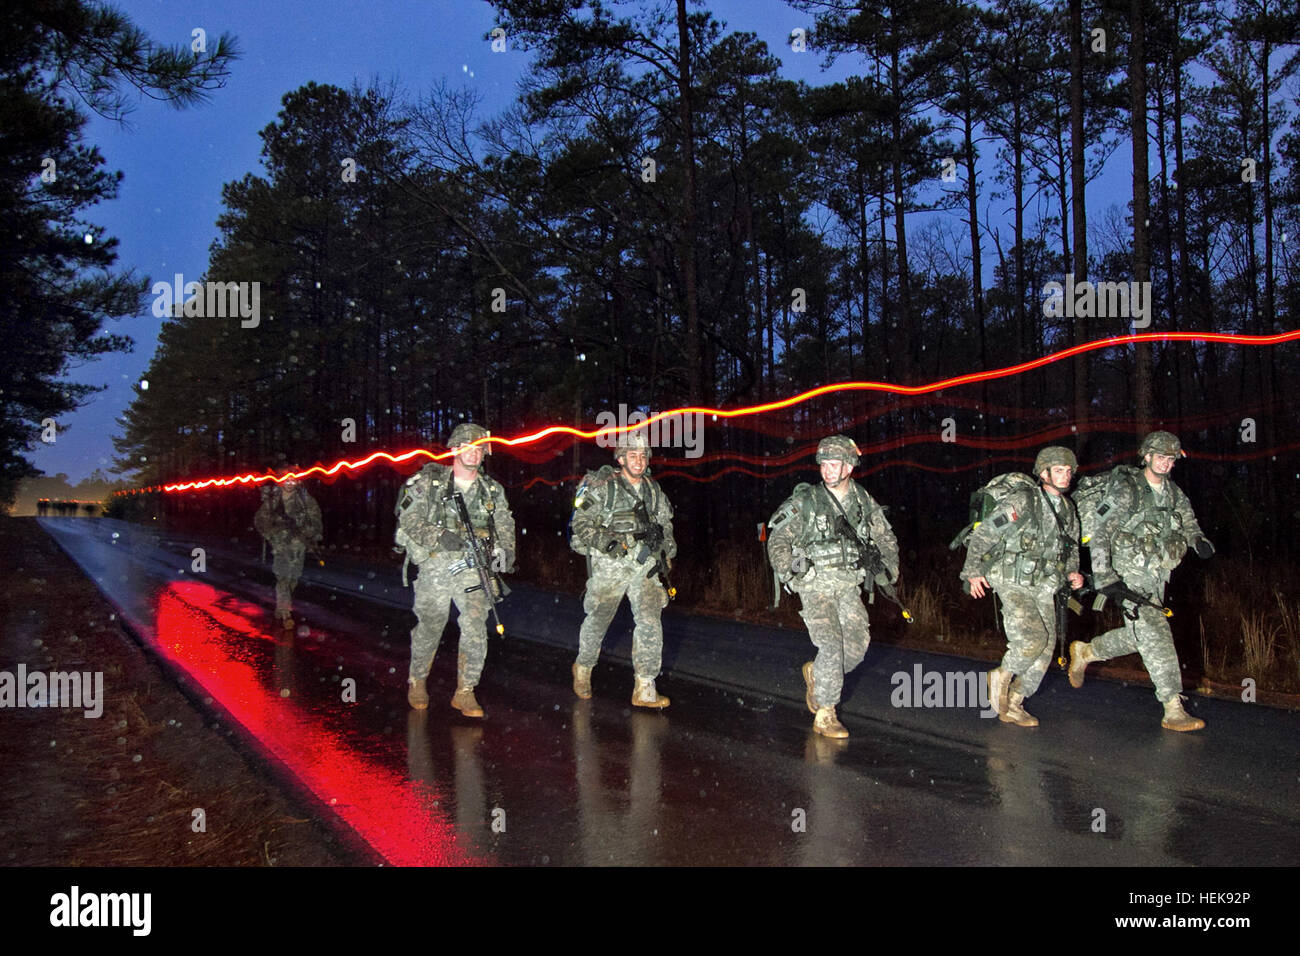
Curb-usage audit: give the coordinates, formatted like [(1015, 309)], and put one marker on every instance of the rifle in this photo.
[(870, 560), (652, 545), (480, 562), (1065, 601), (1124, 593)]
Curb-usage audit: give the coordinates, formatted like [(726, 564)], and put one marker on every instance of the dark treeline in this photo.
[(661, 220)]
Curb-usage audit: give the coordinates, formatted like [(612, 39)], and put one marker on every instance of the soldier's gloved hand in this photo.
[(1204, 550), (503, 560)]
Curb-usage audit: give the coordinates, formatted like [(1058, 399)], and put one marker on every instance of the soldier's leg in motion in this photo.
[(1115, 643), (820, 614), (1155, 642), (604, 592), (474, 609), (647, 599), (854, 626), (1029, 649), (1029, 616), (432, 606)]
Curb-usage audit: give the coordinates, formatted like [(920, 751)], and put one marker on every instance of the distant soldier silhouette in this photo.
[(290, 521)]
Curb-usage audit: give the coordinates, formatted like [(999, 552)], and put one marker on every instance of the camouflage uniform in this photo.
[(1026, 548), (802, 536), (1141, 539), (429, 528), (290, 526), (605, 520)]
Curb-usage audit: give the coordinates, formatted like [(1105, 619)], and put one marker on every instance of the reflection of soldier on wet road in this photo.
[(290, 521)]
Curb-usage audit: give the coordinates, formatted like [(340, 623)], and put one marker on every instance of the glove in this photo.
[(1204, 550), (503, 561)]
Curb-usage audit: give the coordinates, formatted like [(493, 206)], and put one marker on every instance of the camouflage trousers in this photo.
[(838, 625), (611, 579), (288, 553), (1029, 620), (435, 590), (1148, 636)]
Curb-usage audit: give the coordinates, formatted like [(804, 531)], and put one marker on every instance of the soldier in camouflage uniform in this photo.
[(1145, 524), (621, 521), (289, 520), (1026, 550), (430, 529), (822, 566)]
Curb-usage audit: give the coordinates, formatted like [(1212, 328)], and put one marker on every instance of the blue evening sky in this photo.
[(176, 161)]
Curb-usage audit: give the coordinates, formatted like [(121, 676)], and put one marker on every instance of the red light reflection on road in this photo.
[(207, 632)]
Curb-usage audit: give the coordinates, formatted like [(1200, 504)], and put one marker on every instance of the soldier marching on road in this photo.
[(1145, 525), (812, 553), (1026, 549), (432, 531), (623, 523), (290, 521)]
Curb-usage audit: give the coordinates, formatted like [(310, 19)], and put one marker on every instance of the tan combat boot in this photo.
[(1080, 658), (828, 725), (1178, 719), (999, 685), (416, 695), (582, 681), (1016, 713), (808, 683), (645, 695), (464, 702)]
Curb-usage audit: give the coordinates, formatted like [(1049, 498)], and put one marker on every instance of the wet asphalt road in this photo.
[(731, 773)]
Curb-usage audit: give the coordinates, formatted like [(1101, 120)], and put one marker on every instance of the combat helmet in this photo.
[(468, 432), (1162, 443), (632, 439), (838, 448), (1054, 455)]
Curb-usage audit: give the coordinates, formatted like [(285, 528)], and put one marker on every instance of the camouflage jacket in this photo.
[(1142, 531), (1025, 540), (804, 527), (428, 521), (606, 504), (299, 517)]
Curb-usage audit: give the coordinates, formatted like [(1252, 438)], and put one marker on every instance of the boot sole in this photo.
[(1195, 724), (659, 704)]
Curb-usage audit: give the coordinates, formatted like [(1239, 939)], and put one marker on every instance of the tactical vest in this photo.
[(818, 540), (617, 502), (1152, 538), (433, 504), (1034, 548)]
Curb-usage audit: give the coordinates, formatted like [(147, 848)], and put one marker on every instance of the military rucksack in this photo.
[(592, 484), (986, 500), (1095, 496)]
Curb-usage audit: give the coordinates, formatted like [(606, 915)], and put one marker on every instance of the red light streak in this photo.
[(969, 378), (206, 632)]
